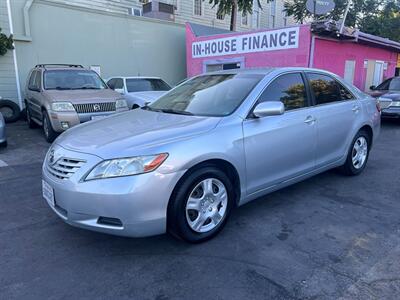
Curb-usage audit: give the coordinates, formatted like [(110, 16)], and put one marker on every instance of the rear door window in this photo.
[(325, 89), (32, 80), (289, 89), (119, 83)]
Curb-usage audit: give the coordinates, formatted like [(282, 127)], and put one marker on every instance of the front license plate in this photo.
[(97, 117), (48, 193)]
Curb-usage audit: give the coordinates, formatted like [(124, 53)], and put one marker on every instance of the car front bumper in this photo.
[(139, 202), (391, 112), (73, 118)]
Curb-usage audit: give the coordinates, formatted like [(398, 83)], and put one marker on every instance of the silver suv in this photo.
[(59, 97)]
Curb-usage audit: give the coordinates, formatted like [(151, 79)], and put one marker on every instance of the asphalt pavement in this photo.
[(330, 237)]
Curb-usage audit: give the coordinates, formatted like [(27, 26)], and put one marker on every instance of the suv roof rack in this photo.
[(58, 65)]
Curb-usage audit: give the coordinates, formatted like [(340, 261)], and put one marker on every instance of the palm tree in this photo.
[(232, 7), (6, 43)]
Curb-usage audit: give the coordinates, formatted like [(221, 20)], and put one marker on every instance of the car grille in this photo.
[(64, 168), (85, 108)]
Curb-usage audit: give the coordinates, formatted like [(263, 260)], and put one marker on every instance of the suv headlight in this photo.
[(62, 106), (126, 166), (121, 103)]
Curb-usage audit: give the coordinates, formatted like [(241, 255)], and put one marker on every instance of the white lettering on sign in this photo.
[(287, 38)]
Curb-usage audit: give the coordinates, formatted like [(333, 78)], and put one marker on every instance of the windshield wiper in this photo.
[(86, 88), (59, 88), (177, 112)]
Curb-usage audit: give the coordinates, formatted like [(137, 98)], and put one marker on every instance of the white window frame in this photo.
[(201, 8)]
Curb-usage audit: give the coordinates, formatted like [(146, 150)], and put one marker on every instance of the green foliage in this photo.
[(231, 7), (6, 43), (380, 17)]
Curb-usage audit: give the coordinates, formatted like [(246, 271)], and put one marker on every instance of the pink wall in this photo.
[(280, 58), (332, 55)]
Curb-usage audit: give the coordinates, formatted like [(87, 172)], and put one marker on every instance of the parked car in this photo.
[(139, 91), (215, 142), (389, 89), (3, 137), (59, 97)]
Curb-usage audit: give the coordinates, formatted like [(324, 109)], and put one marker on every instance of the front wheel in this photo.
[(200, 206), (48, 130), (358, 154)]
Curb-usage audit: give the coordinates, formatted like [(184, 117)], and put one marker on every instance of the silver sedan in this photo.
[(218, 141), (3, 138)]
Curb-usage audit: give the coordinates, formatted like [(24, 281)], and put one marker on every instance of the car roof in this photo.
[(266, 71), (134, 77)]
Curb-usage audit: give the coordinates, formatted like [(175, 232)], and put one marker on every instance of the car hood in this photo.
[(87, 96), (146, 96), (123, 134)]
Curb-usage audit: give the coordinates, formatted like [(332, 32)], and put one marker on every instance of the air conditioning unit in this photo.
[(159, 10)]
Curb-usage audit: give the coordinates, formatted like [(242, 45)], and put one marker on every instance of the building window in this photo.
[(273, 12), (198, 7), (256, 16), (133, 11), (220, 16), (245, 19)]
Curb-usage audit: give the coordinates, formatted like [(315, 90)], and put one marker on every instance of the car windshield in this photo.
[(395, 84), (72, 80), (208, 95), (144, 85)]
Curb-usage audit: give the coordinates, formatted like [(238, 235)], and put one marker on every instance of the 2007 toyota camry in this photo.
[(214, 142)]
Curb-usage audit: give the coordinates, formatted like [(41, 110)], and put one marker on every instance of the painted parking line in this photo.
[(3, 164)]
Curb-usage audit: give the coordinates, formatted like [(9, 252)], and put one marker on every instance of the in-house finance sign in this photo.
[(281, 39)]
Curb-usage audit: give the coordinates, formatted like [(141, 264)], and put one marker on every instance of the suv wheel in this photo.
[(31, 123), (48, 130), (201, 205), (358, 155)]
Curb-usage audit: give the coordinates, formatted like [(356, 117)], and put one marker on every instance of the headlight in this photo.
[(62, 106), (121, 103), (126, 166)]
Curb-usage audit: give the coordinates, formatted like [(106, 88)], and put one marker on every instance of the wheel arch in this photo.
[(225, 166), (367, 128)]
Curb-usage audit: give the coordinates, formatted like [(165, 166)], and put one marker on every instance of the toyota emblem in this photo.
[(96, 107)]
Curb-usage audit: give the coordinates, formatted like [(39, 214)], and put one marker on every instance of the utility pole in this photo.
[(345, 16)]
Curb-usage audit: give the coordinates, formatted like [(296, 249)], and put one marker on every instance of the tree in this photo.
[(380, 17), (226, 7), (6, 43)]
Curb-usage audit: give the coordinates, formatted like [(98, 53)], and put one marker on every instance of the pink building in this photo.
[(360, 58)]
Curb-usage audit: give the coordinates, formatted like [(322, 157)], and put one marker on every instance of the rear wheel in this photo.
[(358, 154), (48, 130), (201, 205), (31, 123)]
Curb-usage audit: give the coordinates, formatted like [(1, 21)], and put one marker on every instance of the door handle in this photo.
[(356, 108), (310, 120)]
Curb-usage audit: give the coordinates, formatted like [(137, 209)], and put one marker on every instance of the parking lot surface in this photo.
[(330, 237)]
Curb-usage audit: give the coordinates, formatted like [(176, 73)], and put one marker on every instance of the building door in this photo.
[(378, 73), (349, 71)]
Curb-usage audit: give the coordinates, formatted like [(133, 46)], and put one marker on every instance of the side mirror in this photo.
[(272, 108), (372, 87), (384, 102)]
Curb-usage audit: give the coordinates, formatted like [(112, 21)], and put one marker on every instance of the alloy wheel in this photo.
[(206, 206), (360, 152)]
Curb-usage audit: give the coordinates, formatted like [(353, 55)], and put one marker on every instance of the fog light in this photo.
[(64, 125)]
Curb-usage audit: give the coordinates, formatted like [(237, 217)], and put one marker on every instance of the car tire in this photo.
[(49, 133), (3, 144), (357, 159), (206, 215), (135, 106), (31, 123), (10, 110)]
